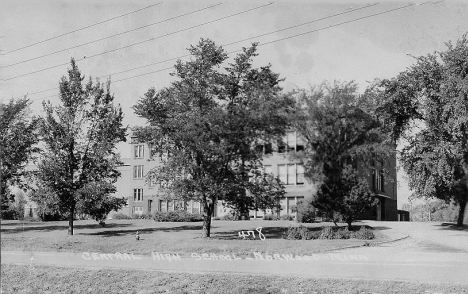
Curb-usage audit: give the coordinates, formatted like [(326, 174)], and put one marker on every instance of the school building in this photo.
[(143, 196)]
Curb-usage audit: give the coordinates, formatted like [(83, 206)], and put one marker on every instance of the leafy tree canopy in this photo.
[(79, 165), (209, 121), (427, 107), (18, 139), (344, 139)]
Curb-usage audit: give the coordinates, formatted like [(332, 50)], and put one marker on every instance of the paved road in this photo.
[(361, 263)]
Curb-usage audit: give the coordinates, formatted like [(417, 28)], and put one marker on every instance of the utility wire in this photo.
[(262, 35), (274, 41), (108, 37), (83, 28), (141, 42), (294, 36)]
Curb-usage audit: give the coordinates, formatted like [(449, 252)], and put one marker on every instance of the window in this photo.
[(299, 143), (291, 203), (264, 148), (137, 195), (378, 181), (288, 203), (299, 174), (137, 210), (151, 182), (291, 174), (382, 182), (170, 205), (281, 147), (293, 143), (282, 173), (138, 172), (195, 207), (139, 151), (162, 205)]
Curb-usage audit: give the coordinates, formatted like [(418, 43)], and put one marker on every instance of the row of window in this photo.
[(290, 142), (289, 174), (286, 203)]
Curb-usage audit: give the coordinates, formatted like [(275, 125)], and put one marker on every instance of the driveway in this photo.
[(425, 236)]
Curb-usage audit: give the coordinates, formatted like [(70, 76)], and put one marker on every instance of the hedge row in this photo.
[(304, 233), (161, 216)]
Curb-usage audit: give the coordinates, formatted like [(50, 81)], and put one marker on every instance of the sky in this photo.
[(136, 43)]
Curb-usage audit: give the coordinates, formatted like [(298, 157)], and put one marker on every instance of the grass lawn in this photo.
[(46, 279), (182, 238)]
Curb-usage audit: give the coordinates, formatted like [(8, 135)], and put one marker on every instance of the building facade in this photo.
[(143, 196)]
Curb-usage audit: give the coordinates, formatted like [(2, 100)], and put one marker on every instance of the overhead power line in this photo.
[(111, 36), (235, 42), (83, 28), (246, 39), (293, 36), (263, 44), (271, 42), (141, 42)]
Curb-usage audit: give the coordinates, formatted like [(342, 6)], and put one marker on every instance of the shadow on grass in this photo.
[(47, 228), (142, 231), (452, 226), (269, 233), (381, 228)]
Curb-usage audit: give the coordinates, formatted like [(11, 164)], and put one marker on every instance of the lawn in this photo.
[(164, 237), (46, 279)]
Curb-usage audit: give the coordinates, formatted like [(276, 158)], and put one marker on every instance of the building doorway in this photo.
[(150, 202)]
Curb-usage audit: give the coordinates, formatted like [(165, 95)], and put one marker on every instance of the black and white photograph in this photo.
[(275, 147)]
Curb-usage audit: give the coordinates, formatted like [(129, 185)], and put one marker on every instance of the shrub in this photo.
[(341, 234), (327, 233), (305, 212), (300, 233), (295, 233), (9, 214), (287, 217), (270, 216), (121, 216), (141, 216), (228, 217), (177, 216), (364, 234), (32, 219)]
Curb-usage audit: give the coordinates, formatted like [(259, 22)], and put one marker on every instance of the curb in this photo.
[(368, 245)]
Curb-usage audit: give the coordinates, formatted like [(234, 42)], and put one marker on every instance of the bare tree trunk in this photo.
[(349, 222), (244, 213), (461, 213), (208, 209), (70, 220), (464, 199)]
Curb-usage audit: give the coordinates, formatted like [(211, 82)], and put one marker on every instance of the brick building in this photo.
[(143, 196)]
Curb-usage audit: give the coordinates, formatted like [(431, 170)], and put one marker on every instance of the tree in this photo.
[(426, 106), (209, 122), (18, 139), (431, 210), (79, 165), (344, 140)]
